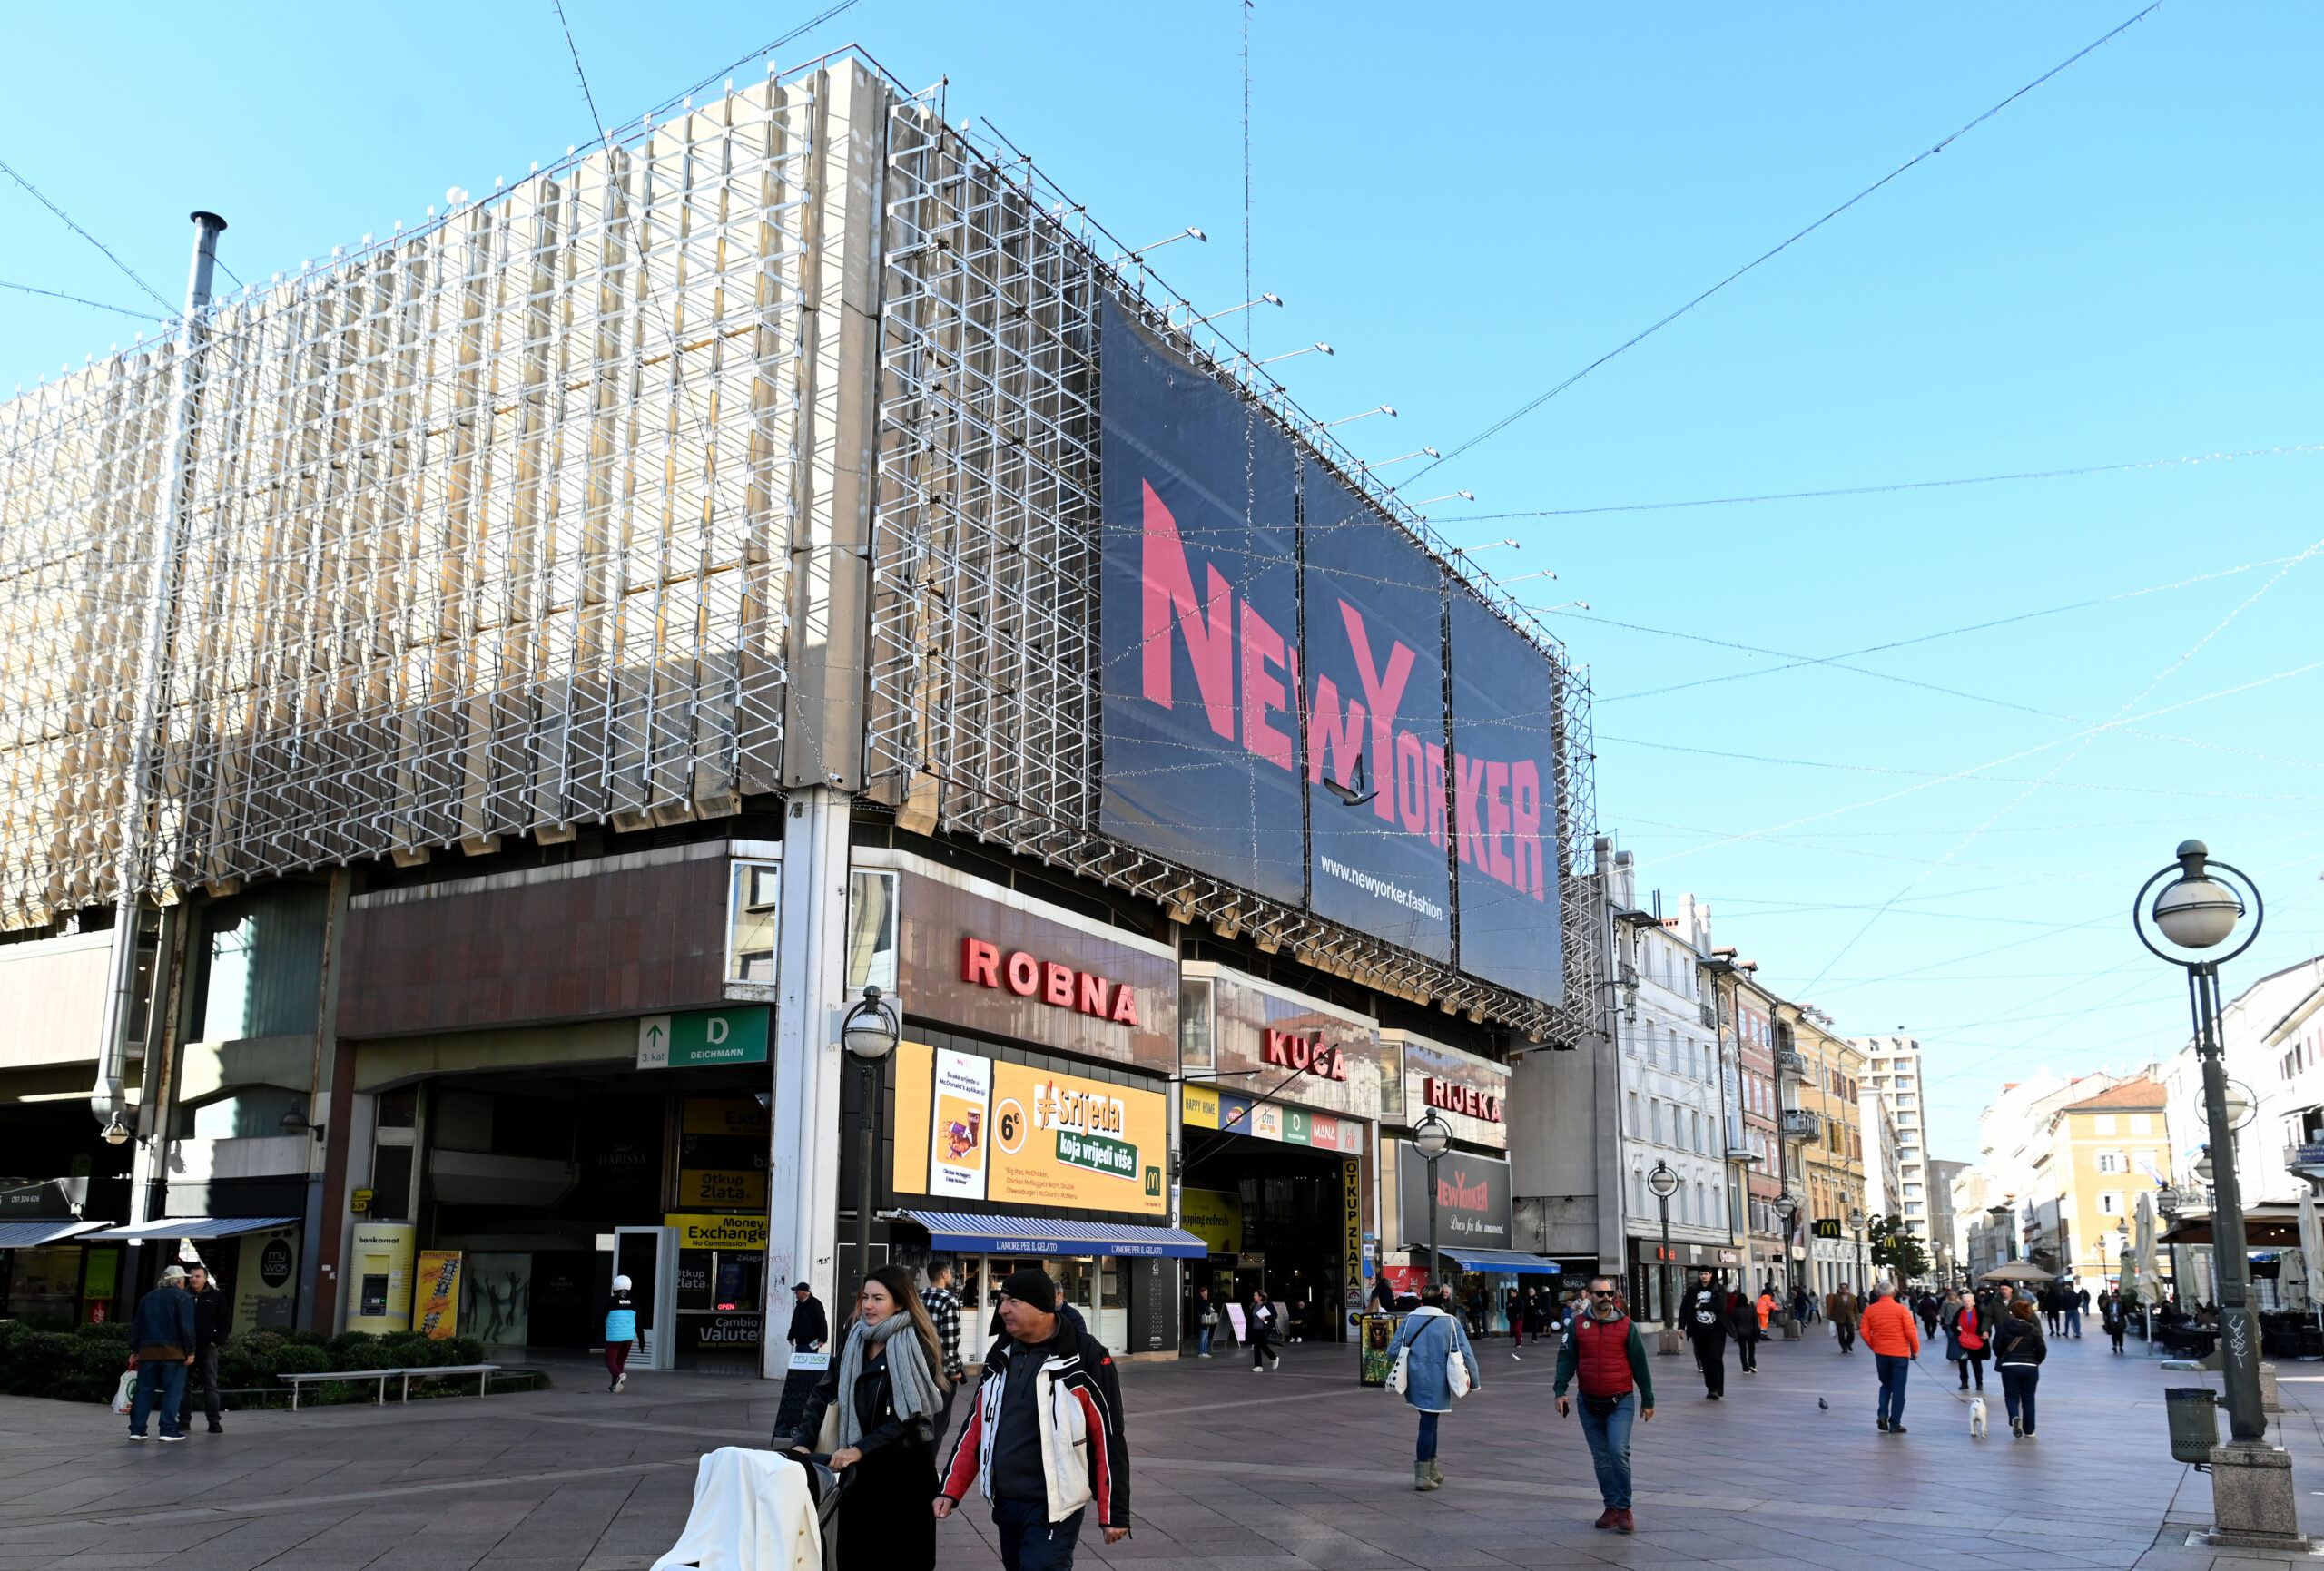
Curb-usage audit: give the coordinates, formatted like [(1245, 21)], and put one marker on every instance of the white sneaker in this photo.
[(1202, 1355), (1259, 1369), (134, 1436), (621, 1382)]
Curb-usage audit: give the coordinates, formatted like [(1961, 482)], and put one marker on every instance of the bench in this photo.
[(483, 1373)]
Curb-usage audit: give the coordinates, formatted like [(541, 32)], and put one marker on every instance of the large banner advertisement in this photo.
[(1266, 633), (1199, 621), (971, 1128), (1472, 1199)]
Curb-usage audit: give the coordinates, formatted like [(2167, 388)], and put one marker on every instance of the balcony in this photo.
[(1792, 1064), (1800, 1123), (2302, 1156)]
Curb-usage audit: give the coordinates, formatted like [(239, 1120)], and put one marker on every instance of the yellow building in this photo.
[(2101, 1152), (1825, 1153)]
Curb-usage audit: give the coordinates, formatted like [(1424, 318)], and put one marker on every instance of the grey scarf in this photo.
[(915, 1391)]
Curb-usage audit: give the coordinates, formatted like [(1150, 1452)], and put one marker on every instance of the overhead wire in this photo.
[(76, 300), (67, 218), (1511, 418), (1898, 486)]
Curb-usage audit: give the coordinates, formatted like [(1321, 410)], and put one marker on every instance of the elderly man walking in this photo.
[(1887, 1328), (1606, 1354)]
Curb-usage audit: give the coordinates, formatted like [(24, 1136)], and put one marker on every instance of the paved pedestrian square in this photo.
[(1298, 1468)]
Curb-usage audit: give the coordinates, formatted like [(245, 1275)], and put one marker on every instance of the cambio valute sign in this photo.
[(1299, 700)]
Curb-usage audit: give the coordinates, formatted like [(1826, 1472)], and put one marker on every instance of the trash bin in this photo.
[(2193, 1412)]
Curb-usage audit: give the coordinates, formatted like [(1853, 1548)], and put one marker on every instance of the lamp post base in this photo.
[(2253, 1503)]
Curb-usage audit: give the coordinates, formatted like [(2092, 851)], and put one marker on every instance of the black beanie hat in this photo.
[(1031, 1288)]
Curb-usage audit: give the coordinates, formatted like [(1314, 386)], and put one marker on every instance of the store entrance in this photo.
[(1279, 1222), (1098, 1286)]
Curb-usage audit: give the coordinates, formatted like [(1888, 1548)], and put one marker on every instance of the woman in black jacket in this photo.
[(888, 1385), (2019, 1349)]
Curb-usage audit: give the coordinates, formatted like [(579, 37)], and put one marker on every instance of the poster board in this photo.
[(266, 1280), (436, 1298), (975, 1128)]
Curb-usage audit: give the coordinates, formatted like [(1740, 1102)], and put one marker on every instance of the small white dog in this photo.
[(1977, 1418)]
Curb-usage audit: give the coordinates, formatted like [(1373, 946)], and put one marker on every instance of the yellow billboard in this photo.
[(436, 1299), (1045, 1139), (744, 1189), (1198, 1107), (697, 1230), (1214, 1216)]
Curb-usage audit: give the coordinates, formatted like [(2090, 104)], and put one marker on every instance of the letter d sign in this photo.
[(713, 1030)]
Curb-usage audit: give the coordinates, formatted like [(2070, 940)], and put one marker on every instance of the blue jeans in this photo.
[(1609, 1448), (1425, 1450), (2074, 1320), (1205, 1349), (170, 1376), (2017, 1383), (1893, 1368), (1030, 1541)]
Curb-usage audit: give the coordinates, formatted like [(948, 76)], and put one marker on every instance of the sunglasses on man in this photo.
[(1603, 1292)]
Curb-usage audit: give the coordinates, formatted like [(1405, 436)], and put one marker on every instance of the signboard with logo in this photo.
[(1295, 1052), (987, 958), (736, 1035), (1472, 1199), (266, 1281), (971, 1128), (1224, 549), (378, 1285), (697, 1230), (1214, 1216)]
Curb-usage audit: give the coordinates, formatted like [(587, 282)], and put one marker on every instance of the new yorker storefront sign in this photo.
[(1472, 1194)]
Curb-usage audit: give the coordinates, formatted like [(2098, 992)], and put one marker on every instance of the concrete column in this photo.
[(803, 1165), (2254, 1502)]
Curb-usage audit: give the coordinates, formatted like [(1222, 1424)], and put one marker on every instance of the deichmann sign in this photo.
[(1472, 1195), (1225, 549), (703, 1036), (971, 1128)]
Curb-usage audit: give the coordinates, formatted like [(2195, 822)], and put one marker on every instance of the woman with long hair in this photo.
[(889, 1391)]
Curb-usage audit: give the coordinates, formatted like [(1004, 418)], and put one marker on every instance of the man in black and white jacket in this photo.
[(1044, 1433)]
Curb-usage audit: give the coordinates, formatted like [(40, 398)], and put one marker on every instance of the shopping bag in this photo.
[(1456, 1370), (1398, 1375), (126, 1394)]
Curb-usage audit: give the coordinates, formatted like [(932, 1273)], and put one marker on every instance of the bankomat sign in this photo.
[(1269, 636)]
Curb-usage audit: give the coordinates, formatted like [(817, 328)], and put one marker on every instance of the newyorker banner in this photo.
[(1472, 1199), (1266, 632)]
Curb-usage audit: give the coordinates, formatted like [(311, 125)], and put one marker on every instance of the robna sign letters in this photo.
[(1060, 986)]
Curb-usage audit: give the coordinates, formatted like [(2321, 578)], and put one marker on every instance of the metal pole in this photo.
[(865, 1174), (108, 1098), (2239, 1344), (1662, 1268), (1434, 1265)]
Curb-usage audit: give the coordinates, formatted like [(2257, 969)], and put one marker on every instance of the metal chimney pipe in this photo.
[(109, 1097)]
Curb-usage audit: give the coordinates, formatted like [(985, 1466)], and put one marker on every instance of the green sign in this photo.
[(1298, 1123), (1096, 1152), (703, 1037)]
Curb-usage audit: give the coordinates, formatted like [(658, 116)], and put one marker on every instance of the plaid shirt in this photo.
[(944, 1309)]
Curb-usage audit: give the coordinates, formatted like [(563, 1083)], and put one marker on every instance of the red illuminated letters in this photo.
[(1060, 986)]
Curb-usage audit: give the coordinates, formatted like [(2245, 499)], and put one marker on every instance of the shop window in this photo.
[(752, 905), (871, 933), (1196, 1049)]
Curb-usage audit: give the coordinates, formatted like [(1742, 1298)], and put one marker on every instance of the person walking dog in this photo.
[(1887, 1328), (1608, 1357), (1438, 1366)]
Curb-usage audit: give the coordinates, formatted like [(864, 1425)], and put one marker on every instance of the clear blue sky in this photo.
[(1470, 203)]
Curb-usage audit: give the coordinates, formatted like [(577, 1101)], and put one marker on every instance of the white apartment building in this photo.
[(1667, 1048), (1892, 1071), (2272, 1039)]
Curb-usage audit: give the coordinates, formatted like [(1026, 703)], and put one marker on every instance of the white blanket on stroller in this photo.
[(752, 1512)]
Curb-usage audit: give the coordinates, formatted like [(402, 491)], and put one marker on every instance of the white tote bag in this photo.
[(1400, 1374), (124, 1395)]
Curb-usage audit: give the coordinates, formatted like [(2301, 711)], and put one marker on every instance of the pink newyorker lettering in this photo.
[(1262, 647), (1209, 626), (1384, 694)]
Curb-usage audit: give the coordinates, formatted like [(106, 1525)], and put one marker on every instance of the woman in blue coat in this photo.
[(1433, 1336)]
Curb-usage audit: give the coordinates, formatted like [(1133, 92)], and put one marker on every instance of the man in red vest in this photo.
[(1608, 1355)]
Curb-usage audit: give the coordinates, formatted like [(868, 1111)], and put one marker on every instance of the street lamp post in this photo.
[(2194, 912), (1863, 1260), (1787, 1208), (868, 1034), (1664, 1182), (1430, 1136)]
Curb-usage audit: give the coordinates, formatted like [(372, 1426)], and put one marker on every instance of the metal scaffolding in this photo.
[(496, 528)]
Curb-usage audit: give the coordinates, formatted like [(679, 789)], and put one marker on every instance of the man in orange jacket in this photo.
[(1888, 1330)]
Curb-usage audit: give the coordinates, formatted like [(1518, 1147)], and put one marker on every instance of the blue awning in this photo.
[(33, 1235), (1054, 1236), (191, 1227), (1509, 1262)]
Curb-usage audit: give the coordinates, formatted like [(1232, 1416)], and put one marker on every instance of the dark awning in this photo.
[(1505, 1260), (190, 1227), (1054, 1236), (33, 1235)]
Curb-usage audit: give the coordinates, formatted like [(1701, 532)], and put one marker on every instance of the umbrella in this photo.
[(2149, 1280), (2019, 1270)]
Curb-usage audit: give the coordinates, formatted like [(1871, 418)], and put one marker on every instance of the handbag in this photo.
[(1456, 1369), (1399, 1373)]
